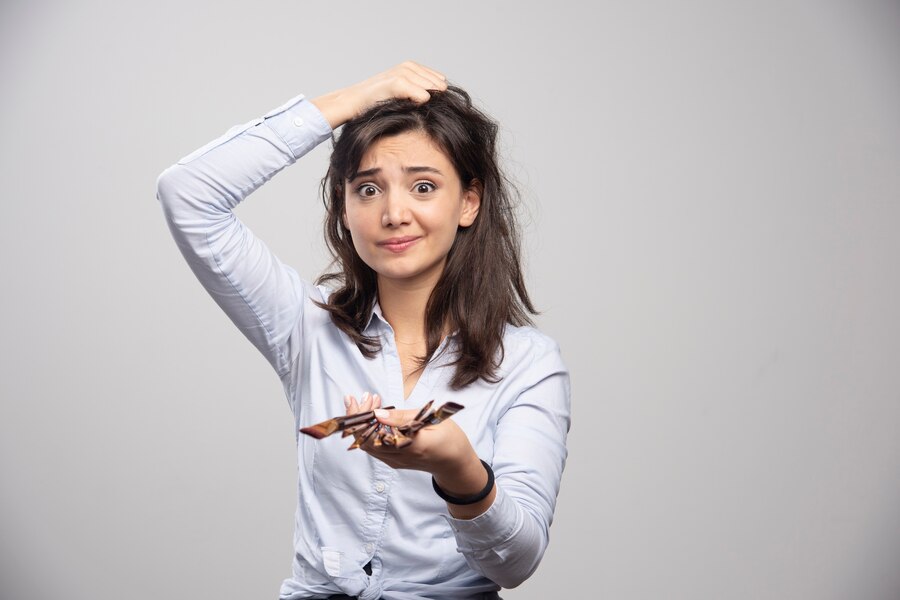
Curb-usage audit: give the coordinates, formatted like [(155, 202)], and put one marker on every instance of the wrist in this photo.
[(337, 107), (462, 478)]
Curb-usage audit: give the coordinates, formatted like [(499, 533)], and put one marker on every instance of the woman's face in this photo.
[(404, 206)]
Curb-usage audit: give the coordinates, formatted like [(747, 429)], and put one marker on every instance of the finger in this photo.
[(437, 83), (376, 401), (435, 76), (406, 87), (353, 406), (366, 402), (440, 77), (426, 80), (392, 417)]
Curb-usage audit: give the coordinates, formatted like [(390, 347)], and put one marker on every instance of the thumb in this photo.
[(393, 417)]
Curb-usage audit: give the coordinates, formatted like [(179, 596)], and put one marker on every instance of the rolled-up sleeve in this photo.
[(198, 194)]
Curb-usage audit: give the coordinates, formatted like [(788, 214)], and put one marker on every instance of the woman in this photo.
[(427, 303)]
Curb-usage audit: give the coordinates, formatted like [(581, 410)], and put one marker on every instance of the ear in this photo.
[(471, 203), (344, 221)]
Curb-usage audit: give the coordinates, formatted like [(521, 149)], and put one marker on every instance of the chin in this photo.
[(398, 273)]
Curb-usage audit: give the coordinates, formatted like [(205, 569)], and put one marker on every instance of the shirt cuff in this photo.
[(300, 124), (494, 526)]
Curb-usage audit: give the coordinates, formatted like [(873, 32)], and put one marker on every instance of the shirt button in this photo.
[(369, 548), (379, 487), (298, 122)]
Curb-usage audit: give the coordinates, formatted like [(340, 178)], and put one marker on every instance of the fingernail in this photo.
[(347, 401), (381, 413)]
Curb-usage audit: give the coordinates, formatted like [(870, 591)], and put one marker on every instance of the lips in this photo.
[(399, 244)]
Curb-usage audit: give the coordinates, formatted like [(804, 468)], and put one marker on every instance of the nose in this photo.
[(396, 209)]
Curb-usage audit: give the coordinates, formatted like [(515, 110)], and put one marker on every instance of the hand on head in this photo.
[(408, 80)]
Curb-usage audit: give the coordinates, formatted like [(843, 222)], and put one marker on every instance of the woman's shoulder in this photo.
[(529, 345), (532, 358), (527, 334), (315, 294)]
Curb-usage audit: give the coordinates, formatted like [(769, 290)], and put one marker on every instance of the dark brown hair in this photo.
[(481, 288)]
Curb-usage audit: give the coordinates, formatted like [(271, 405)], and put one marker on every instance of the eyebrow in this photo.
[(377, 170)]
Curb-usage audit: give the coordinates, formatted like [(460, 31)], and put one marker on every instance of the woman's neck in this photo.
[(403, 305)]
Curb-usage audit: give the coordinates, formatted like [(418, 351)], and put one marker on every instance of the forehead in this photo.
[(407, 149)]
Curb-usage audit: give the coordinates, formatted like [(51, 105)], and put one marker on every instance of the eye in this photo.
[(367, 190), (424, 187)]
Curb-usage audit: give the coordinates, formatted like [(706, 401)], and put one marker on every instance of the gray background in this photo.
[(711, 191)]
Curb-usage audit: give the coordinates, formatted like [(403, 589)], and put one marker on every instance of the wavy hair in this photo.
[(482, 288)]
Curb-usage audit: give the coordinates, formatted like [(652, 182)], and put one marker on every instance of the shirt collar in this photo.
[(376, 312)]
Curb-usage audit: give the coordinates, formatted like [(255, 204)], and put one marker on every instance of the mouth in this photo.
[(399, 244)]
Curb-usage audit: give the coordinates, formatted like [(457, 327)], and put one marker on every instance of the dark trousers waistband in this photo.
[(485, 596)]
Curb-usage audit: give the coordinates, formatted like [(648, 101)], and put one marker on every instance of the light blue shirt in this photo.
[(353, 509)]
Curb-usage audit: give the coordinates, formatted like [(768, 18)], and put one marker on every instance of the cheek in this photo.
[(357, 221), (361, 231), (444, 224)]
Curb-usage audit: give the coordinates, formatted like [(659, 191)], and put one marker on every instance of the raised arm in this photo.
[(263, 297), (260, 295)]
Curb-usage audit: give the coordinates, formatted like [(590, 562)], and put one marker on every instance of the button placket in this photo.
[(376, 509), (392, 368)]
